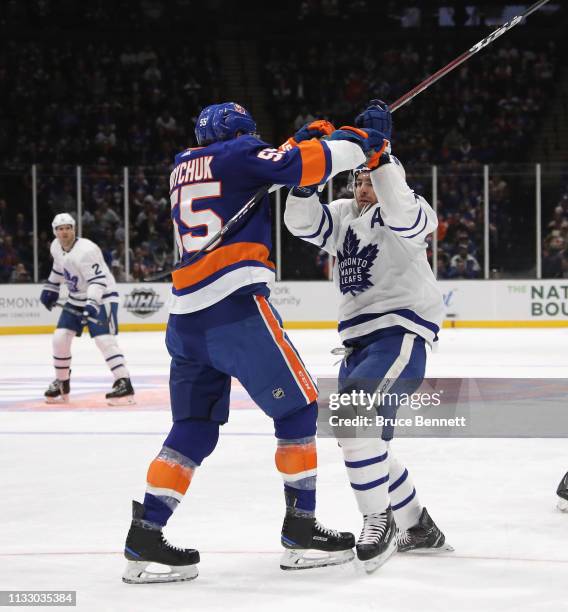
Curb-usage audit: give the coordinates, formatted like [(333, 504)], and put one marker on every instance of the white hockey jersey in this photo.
[(84, 272), (381, 269)]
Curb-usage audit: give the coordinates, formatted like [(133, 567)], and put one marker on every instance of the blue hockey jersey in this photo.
[(209, 185)]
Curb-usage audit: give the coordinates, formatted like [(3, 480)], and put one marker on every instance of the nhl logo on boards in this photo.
[(278, 393), (143, 302)]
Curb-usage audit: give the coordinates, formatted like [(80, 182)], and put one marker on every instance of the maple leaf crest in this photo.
[(355, 265)]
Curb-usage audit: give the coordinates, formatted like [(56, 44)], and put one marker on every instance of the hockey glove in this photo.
[(376, 116), (304, 192), (320, 128), (48, 298), (316, 129), (370, 140), (90, 311)]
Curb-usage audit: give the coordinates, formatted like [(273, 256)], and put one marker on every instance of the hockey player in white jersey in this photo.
[(390, 308), (92, 302)]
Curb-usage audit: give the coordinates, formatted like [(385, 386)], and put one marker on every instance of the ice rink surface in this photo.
[(67, 477)]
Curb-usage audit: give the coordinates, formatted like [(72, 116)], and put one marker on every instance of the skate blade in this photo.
[(121, 401), (297, 559), (373, 564), (62, 399), (562, 504), (136, 572), (430, 551)]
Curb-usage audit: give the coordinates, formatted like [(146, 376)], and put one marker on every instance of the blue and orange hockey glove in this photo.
[(320, 128), (373, 143)]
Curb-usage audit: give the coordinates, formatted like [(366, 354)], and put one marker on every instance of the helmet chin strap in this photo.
[(364, 209)]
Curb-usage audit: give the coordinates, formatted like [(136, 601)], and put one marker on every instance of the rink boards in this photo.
[(313, 305)]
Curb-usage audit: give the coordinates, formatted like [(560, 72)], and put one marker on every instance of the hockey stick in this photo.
[(77, 313), (464, 56), (393, 107)]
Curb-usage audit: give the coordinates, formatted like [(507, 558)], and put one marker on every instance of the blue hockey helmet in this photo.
[(222, 122)]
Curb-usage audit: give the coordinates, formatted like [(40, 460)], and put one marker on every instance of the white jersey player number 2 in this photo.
[(192, 219)]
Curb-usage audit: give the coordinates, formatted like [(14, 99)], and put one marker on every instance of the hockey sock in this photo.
[(169, 475), (113, 355), (403, 498), (167, 481), (367, 463), (62, 339), (296, 458), (296, 461)]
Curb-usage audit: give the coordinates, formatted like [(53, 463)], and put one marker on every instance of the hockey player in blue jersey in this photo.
[(222, 325), (390, 308)]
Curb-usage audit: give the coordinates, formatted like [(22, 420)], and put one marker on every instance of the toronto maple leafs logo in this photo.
[(71, 281), (355, 265)]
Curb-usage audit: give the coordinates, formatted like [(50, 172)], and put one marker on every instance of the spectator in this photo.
[(20, 274), (466, 261), (9, 257), (166, 124)]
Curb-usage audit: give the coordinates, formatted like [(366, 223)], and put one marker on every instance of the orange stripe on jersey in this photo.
[(313, 162), (296, 366), (218, 259), (168, 475), (350, 128), (296, 458)]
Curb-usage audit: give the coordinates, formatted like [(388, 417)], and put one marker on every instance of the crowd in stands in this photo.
[(555, 242), (102, 107), (447, 126), (125, 104), (16, 252), (106, 105), (102, 219)]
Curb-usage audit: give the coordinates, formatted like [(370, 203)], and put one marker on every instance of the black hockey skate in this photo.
[(377, 541), (424, 537), (122, 393), (145, 545), (562, 493), (58, 392), (308, 544)]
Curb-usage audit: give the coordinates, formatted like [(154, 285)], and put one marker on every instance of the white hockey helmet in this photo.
[(62, 219), (362, 168), (354, 174)]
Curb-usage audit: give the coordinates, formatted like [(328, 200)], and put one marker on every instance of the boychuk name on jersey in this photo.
[(354, 265), (192, 170)]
